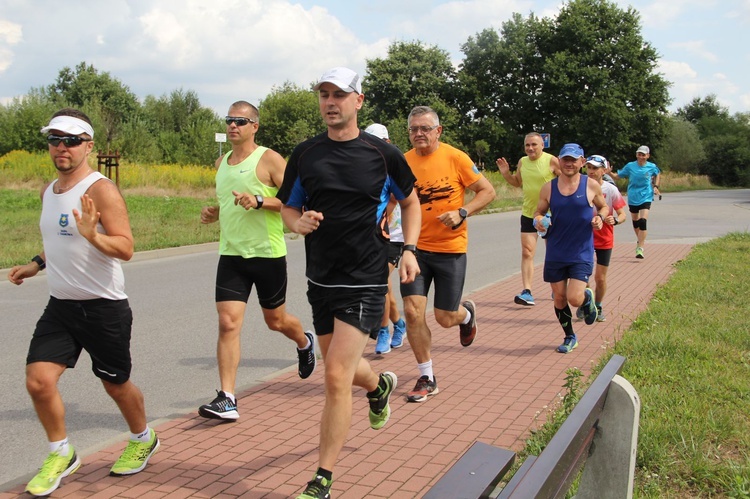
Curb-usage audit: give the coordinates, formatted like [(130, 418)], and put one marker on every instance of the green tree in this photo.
[(411, 75), (288, 115), (700, 108), (21, 120), (681, 150), (725, 140), (587, 76), (106, 100), (182, 130)]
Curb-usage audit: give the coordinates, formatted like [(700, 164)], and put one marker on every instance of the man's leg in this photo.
[(344, 367), (231, 315), (528, 250), (41, 383), (129, 400), (642, 231), (417, 330), (601, 282), (278, 319)]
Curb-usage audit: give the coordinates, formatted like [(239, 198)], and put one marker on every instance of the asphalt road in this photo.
[(175, 324)]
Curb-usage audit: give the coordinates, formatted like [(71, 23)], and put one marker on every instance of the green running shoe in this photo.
[(54, 469), (380, 409), (569, 344), (317, 488), (135, 456)]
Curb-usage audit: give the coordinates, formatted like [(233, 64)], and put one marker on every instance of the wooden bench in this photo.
[(601, 431)]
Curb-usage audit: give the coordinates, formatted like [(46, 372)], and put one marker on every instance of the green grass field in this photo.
[(688, 356)]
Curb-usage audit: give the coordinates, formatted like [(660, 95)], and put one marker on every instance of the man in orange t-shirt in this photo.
[(443, 174)]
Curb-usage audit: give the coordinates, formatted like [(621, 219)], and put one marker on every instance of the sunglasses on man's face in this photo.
[(68, 140), (239, 121)]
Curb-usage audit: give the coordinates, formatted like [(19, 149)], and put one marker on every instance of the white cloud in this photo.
[(10, 34), (697, 48)]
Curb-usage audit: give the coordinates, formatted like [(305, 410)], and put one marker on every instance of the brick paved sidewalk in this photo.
[(494, 391)]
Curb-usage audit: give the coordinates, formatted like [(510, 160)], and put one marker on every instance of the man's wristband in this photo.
[(410, 247), (38, 260), (259, 201), (617, 221)]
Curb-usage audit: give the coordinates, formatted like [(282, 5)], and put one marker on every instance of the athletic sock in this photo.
[(467, 319), (425, 369), (328, 475), (62, 447), (306, 346), (565, 317), (143, 436), (230, 396)]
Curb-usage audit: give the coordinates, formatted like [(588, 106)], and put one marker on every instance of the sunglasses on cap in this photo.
[(68, 140), (239, 121)]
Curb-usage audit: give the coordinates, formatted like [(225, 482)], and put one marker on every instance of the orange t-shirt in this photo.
[(442, 178)]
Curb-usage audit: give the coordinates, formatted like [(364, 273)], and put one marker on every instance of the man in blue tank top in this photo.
[(569, 261)]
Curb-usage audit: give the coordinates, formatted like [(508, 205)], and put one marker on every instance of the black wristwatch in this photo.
[(38, 260), (410, 247), (463, 214), (259, 200)]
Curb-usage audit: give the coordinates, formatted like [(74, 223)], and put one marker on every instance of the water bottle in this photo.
[(544, 222)]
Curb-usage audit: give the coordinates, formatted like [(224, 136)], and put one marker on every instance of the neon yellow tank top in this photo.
[(534, 175), (247, 233)]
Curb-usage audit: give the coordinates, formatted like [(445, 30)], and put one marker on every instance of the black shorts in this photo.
[(603, 256), (448, 270), (235, 277), (637, 208), (394, 253), (101, 327), (527, 224), (362, 308)]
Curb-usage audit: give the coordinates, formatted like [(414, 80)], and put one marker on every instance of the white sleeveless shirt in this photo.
[(76, 270)]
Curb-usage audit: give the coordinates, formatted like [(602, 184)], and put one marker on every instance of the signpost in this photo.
[(220, 138), (546, 139)]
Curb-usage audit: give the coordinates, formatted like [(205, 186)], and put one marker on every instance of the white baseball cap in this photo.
[(643, 149), (378, 130), (344, 78)]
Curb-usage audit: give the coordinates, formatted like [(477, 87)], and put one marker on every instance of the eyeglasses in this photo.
[(423, 129), (239, 121), (68, 140)]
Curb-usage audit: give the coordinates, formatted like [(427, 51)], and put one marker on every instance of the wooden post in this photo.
[(109, 161)]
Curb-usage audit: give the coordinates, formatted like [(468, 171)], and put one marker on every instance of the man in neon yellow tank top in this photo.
[(532, 172), (252, 251)]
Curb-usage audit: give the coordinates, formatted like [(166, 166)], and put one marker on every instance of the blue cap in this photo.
[(572, 150)]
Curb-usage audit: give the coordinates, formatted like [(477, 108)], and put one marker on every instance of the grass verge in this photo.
[(688, 356)]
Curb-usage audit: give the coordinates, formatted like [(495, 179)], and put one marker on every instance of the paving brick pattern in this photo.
[(494, 391)]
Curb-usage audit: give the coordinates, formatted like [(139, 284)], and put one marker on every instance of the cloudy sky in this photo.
[(238, 49)]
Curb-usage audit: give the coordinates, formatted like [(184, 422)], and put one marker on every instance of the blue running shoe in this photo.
[(399, 331), (589, 307), (569, 344), (384, 341), (525, 298)]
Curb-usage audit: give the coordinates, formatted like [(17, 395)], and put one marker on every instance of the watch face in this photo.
[(463, 213)]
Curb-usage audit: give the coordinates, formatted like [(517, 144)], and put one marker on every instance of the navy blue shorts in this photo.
[(561, 271), (101, 327), (362, 308)]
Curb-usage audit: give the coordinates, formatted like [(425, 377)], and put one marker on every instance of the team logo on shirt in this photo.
[(474, 167), (63, 219)]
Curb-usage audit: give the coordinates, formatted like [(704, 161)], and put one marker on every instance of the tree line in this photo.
[(585, 76)]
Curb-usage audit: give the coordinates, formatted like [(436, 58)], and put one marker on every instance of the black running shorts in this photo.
[(236, 275), (101, 327)]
